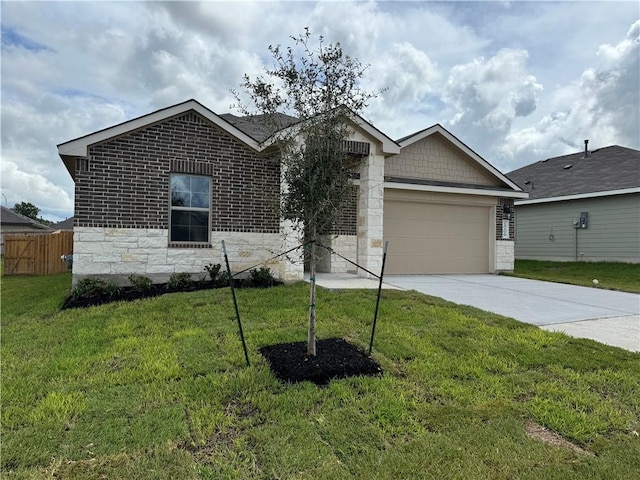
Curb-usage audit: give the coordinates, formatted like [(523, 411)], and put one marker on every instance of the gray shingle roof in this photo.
[(64, 225), (9, 217), (604, 169), (256, 125)]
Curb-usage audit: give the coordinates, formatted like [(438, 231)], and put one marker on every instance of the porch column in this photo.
[(370, 209), (292, 264)]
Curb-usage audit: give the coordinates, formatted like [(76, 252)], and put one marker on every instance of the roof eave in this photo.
[(79, 147), (579, 196)]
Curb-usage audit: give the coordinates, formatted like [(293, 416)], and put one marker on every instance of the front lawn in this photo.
[(158, 388), (610, 275)]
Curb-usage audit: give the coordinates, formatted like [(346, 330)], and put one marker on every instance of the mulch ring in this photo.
[(335, 358)]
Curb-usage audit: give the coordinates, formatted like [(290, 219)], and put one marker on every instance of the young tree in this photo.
[(318, 85)]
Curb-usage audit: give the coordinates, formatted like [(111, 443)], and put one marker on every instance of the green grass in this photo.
[(610, 275), (158, 389)]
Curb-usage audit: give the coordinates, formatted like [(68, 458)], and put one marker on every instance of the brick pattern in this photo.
[(348, 222), (499, 217), (433, 158), (126, 184)]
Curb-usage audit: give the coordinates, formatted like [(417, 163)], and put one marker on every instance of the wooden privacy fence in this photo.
[(37, 254)]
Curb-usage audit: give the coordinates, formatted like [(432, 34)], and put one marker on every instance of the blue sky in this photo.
[(516, 81)]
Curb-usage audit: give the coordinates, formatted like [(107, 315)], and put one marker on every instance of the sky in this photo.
[(515, 81)]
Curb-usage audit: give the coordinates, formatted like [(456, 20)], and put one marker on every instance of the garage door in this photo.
[(430, 238)]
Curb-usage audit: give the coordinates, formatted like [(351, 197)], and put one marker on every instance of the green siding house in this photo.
[(581, 207)]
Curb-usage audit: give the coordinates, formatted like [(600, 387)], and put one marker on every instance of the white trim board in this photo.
[(579, 196)]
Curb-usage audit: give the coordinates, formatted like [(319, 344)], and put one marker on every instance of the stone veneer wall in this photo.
[(505, 255), (118, 252), (345, 245)]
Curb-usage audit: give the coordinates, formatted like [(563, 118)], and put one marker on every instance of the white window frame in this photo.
[(190, 209)]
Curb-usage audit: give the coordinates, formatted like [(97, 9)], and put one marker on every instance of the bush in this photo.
[(180, 280), (94, 287), (223, 280), (140, 282), (213, 271), (261, 277)]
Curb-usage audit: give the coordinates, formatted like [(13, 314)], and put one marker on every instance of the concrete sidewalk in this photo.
[(606, 316)]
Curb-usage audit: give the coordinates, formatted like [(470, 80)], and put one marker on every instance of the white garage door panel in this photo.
[(436, 238)]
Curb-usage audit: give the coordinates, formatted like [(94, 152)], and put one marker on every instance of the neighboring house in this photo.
[(65, 225), (157, 195), (583, 206), (12, 222)]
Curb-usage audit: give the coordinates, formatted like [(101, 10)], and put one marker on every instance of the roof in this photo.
[(250, 130), (79, 147), (9, 217), (255, 125), (64, 225), (437, 128), (607, 170)]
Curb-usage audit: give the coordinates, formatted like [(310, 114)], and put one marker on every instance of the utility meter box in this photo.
[(584, 220)]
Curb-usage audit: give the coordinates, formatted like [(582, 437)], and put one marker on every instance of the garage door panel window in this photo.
[(190, 209)]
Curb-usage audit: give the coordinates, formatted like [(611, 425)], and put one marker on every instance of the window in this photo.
[(190, 202)]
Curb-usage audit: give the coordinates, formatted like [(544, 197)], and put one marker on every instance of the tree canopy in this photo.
[(318, 84), (27, 209)]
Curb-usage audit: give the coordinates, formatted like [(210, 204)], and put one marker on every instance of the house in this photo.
[(583, 206), (12, 222), (64, 225), (158, 194)]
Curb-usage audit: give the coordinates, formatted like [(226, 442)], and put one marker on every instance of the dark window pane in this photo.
[(189, 226), (200, 185), (179, 199), (200, 200)]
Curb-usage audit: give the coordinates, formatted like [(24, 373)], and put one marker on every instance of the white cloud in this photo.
[(54, 201), (489, 93), (601, 106)]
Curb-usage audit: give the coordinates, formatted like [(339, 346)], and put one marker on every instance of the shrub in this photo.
[(94, 287), (140, 282), (180, 280), (223, 280), (213, 270), (261, 277)]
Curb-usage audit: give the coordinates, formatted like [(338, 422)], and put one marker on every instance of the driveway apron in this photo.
[(604, 315)]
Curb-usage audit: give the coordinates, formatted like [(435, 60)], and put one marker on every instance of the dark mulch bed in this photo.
[(128, 294), (335, 358)]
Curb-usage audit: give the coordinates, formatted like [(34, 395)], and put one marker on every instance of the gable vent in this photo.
[(356, 148)]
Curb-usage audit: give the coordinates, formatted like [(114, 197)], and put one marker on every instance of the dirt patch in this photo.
[(335, 359), (542, 434)]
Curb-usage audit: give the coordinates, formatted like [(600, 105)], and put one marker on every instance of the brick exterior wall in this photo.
[(500, 217), (126, 181), (348, 222)]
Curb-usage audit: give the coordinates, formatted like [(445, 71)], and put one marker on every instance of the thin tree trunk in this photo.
[(311, 336)]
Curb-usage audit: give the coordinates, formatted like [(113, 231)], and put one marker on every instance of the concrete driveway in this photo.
[(609, 317)]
